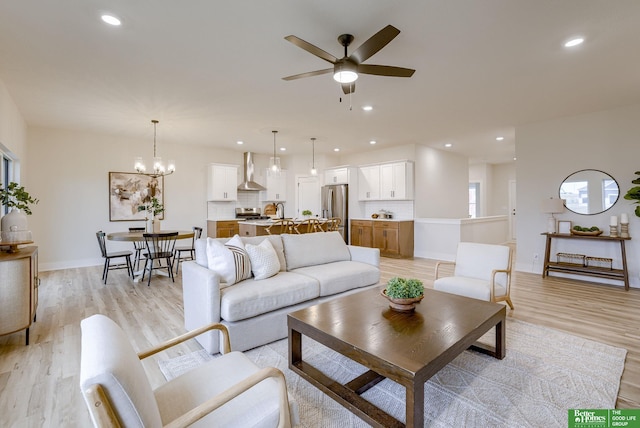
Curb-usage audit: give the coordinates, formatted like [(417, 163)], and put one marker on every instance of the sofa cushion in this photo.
[(229, 260), (337, 277), (275, 240), (250, 298), (264, 260), (311, 249)]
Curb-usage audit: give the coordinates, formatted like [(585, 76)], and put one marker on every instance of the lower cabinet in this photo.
[(362, 233), (18, 290), (222, 229), (393, 238)]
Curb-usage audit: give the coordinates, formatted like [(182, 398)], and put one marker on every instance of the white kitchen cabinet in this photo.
[(336, 176), (396, 181), (276, 188), (388, 181), (369, 183), (222, 182)]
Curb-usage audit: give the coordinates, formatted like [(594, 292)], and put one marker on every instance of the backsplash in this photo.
[(401, 210), (227, 210)]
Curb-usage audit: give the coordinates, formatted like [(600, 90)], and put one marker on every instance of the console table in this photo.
[(596, 271), (18, 290)]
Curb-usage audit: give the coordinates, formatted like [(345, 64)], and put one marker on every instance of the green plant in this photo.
[(154, 207), (14, 196), (402, 288), (633, 194), (306, 212), (586, 229)]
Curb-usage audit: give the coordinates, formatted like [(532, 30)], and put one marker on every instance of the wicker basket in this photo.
[(602, 262), (574, 259)]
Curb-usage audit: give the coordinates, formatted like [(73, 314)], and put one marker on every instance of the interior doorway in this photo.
[(512, 210), (307, 195)]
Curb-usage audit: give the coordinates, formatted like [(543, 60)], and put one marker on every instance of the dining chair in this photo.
[(229, 390), (191, 249), (333, 224), (159, 246), (280, 226), (309, 225), (138, 246), (126, 255)]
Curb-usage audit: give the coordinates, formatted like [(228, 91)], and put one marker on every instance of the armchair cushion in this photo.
[(475, 260), (469, 287), (109, 359)]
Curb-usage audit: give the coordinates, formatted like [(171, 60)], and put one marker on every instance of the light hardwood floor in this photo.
[(39, 382)]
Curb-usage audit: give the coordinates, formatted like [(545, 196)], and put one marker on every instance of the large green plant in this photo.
[(14, 196), (633, 194)]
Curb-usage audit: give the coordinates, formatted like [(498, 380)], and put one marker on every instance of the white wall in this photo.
[(13, 131), (548, 152), (69, 174), (494, 186)]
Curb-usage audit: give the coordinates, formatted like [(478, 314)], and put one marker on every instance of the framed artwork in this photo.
[(127, 191), (564, 227)]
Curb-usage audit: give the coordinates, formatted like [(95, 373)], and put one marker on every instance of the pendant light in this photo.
[(314, 171), (159, 169), (274, 168)]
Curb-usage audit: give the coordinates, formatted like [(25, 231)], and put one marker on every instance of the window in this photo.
[(474, 199), (6, 175)]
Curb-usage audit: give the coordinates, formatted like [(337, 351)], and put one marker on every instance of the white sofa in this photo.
[(314, 267)]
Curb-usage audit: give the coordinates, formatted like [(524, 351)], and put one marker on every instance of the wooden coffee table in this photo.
[(407, 348)]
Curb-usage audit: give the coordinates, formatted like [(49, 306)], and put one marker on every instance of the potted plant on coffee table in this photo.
[(403, 294)]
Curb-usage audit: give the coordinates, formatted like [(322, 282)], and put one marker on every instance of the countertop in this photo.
[(382, 219), (270, 222)]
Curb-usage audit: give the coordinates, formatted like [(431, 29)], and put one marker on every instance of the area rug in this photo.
[(545, 373)]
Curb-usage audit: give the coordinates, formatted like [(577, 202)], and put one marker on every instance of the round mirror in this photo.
[(589, 191)]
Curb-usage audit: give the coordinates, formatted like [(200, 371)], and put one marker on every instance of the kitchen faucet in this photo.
[(278, 206)]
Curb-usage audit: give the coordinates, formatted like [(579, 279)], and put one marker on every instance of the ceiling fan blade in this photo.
[(308, 74), (349, 88), (374, 44), (312, 49), (385, 70)]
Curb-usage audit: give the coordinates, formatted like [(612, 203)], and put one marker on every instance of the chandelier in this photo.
[(159, 169)]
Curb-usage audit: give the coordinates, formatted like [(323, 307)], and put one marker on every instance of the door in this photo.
[(512, 210), (308, 195)]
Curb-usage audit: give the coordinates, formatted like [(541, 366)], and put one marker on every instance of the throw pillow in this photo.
[(264, 259), (229, 260)]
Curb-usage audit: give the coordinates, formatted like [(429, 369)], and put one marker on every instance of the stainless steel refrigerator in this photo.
[(335, 203)]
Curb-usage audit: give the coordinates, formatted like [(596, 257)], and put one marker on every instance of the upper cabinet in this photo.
[(222, 182), (336, 176), (396, 181), (276, 188), (389, 181), (369, 182)]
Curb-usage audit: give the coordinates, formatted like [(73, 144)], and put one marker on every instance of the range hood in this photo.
[(248, 183)]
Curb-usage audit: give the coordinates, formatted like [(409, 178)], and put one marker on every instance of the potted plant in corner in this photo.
[(153, 209), (633, 194), (403, 294), (14, 224)]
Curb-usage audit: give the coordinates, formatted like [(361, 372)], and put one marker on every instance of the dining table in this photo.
[(139, 236)]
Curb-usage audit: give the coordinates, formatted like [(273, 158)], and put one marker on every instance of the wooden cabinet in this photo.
[(222, 228), (369, 182), (389, 181), (393, 238), (396, 181), (362, 233), (18, 290), (276, 188), (336, 176), (222, 182)]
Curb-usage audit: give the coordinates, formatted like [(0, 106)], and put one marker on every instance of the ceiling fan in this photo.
[(345, 70)]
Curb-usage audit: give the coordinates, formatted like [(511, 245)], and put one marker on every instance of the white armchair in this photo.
[(481, 271), (228, 391)]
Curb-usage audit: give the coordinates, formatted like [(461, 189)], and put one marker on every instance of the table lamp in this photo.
[(552, 206)]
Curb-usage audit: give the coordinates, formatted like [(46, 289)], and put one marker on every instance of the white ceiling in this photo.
[(211, 71)]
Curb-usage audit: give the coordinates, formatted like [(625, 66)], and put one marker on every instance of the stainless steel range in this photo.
[(250, 214)]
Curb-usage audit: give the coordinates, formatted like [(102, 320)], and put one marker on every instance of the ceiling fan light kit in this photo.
[(346, 70)]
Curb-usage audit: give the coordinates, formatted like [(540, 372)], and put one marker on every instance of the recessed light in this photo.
[(336, 149), (367, 108), (240, 143), (372, 142), (574, 42), (499, 138), (448, 145), (283, 149), (111, 19), (514, 158)]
